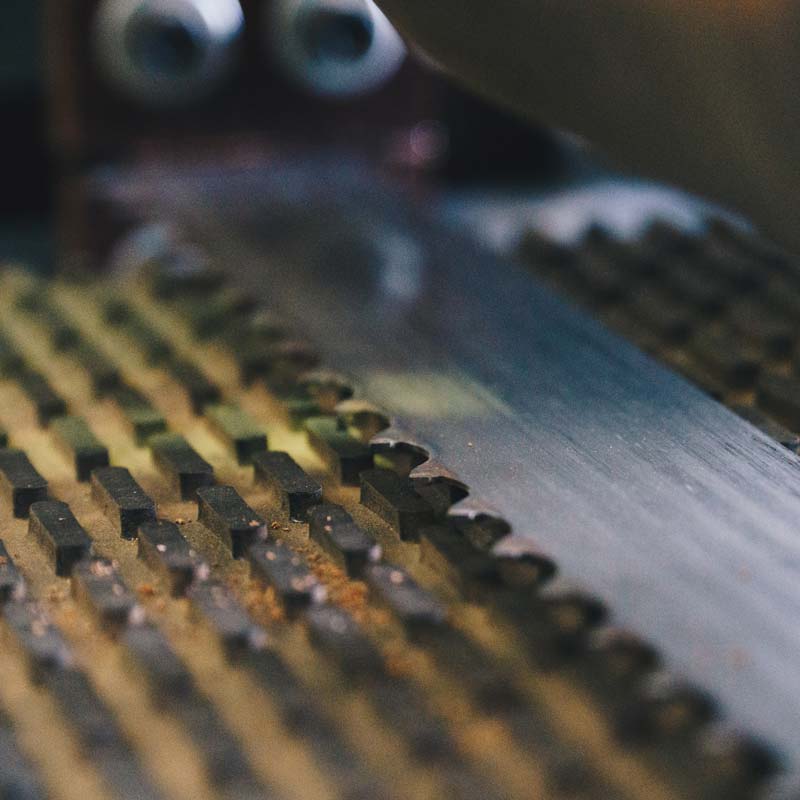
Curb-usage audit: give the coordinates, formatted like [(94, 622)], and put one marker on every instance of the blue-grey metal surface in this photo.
[(684, 518)]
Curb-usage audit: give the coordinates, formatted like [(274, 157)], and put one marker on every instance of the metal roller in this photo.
[(334, 48), (167, 52)]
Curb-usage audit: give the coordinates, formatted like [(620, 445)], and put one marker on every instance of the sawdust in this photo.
[(263, 604)]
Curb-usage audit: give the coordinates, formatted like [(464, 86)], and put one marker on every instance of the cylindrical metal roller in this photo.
[(164, 53), (334, 48)]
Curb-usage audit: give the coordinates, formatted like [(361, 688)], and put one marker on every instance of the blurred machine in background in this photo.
[(179, 73), (135, 81), (175, 75)]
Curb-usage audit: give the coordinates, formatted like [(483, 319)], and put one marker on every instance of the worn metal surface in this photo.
[(681, 516)]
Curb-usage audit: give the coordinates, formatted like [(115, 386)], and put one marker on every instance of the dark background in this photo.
[(25, 172)]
